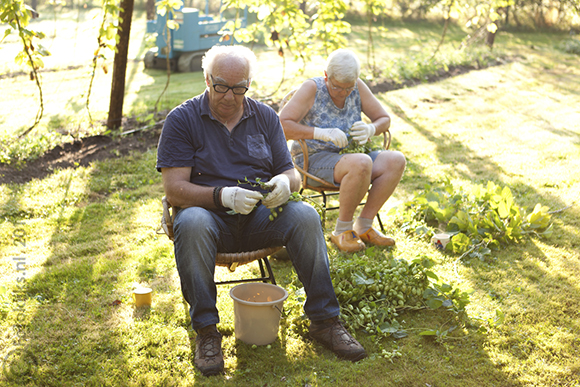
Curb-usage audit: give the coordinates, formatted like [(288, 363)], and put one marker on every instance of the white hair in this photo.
[(239, 52), (343, 66)]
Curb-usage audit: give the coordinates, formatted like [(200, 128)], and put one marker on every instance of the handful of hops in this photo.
[(355, 147)]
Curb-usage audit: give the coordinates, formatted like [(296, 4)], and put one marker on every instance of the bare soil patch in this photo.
[(81, 153)]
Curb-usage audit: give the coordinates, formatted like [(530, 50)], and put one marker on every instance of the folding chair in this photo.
[(324, 187), (229, 260)]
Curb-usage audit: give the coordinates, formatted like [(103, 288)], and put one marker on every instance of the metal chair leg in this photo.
[(380, 223), (270, 272)]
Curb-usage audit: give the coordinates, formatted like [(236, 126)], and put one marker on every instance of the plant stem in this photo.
[(36, 78)]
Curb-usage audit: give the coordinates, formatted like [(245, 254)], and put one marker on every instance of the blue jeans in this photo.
[(201, 233)]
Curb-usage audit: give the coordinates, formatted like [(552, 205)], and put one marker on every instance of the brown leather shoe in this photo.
[(348, 241), (209, 358), (374, 237), (332, 334)]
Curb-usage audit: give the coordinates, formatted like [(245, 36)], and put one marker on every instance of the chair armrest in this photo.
[(387, 139)]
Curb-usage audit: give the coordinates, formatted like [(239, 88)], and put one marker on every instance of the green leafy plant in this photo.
[(167, 8), (374, 288), (482, 218), (284, 25), (571, 46), (106, 39), (18, 15)]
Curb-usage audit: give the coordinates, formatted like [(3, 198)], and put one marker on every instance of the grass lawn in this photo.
[(75, 244)]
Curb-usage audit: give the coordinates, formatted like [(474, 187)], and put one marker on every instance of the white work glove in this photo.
[(361, 132), (239, 199), (334, 135), (280, 192)]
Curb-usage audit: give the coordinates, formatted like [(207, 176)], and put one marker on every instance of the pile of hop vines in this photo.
[(373, 288)]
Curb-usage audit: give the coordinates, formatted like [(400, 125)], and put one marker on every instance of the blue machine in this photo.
[(195, 35)]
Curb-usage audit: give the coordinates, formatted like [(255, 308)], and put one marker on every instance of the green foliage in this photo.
[(571, 46), (106, 39), (29, 148), (423, 66), (281, 24), (17, 15), (329, 25), (480, 218), (355, 147), (374, 288), (284, 25), (167, 7)]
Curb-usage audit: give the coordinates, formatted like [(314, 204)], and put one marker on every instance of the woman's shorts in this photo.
[(321, 164)]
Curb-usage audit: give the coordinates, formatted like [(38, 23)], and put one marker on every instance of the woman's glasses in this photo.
[(339, 89)]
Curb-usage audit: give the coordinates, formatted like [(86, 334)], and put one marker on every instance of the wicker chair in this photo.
[(324, 188), (229, 260)]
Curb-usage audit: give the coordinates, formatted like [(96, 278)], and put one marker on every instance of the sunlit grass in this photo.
[(90, 239)]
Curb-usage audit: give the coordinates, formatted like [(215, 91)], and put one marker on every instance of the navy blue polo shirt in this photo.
[(255, 148)]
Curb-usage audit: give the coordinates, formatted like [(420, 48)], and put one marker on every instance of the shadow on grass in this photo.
[(537, 291), (76, 331)]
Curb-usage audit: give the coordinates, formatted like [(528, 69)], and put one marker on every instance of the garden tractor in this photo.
[(187, 44)]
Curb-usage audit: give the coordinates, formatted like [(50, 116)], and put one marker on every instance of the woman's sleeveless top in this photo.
[(325, 114)]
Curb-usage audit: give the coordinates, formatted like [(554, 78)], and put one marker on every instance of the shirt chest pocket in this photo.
[(257, 147)]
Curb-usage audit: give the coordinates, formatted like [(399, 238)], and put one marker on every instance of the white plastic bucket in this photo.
[(441, 240), (257, 310)]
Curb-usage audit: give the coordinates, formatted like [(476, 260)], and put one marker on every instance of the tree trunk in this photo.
[(150, 9), (120, 65), (490, 39)]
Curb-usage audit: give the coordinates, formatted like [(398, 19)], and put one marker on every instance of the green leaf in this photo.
[(386, 328), (503, 209), (499, 317), (361, 279), (6, 33), (434, 303), (42, 50), (400, 334), (3, 290), (548, 232), (422, 230), (172, 25), (428, 263), (428, 333), (110, 32), (459, 243)]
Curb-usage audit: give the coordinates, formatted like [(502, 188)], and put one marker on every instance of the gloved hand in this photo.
[(334, 135), (239, 199), (361, 132), (280, 192)]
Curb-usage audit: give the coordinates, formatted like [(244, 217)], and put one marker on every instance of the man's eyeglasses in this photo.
[(339, 89), (222, 89)]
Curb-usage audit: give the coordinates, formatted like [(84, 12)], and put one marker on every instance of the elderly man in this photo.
[(324, 110), (208, 145)]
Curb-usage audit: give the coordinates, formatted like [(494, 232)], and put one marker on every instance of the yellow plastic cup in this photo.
[(142, 296)]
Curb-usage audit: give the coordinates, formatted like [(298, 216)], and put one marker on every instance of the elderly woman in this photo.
[(324, 110)]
